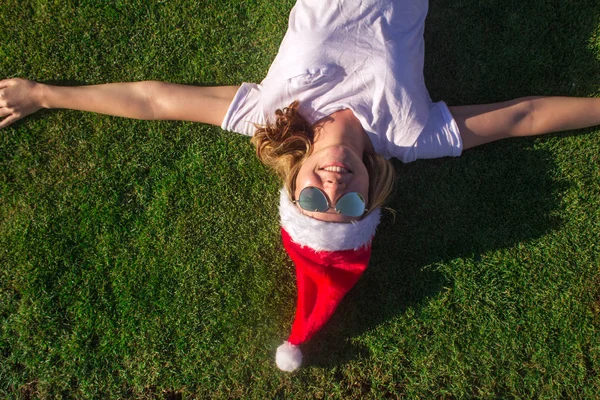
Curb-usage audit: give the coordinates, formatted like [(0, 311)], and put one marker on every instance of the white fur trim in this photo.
[(326, 236), (288, 357)]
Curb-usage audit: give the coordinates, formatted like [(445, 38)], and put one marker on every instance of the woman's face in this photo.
[(336, 170)]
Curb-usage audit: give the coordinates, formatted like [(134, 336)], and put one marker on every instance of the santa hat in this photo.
[(329, 259)]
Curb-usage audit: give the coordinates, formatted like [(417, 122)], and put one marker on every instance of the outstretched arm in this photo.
[(140, 100), (527, 116)]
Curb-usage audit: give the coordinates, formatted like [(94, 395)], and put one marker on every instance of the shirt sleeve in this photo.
[(245, 110), (440, 136)]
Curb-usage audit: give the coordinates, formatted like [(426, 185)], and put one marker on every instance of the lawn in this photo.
[(143, 259)]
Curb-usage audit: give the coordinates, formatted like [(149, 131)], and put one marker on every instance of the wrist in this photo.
[(40, 92)]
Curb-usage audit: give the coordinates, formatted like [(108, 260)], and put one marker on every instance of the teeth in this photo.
[(336, 169)]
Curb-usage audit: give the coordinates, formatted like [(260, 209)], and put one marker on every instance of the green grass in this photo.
[(143, 259)]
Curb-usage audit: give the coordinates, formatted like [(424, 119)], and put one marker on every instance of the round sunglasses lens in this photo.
[(351, 204), (312, 199)]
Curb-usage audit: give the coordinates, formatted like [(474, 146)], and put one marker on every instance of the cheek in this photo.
[(365, 190), (304, 178), (363, 185)]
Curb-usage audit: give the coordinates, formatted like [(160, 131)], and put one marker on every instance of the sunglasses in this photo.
[(351, 204)]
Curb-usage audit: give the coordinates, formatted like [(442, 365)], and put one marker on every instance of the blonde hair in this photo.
[(286, 143)]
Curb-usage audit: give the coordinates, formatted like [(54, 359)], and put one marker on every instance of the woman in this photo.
[(351, 76)]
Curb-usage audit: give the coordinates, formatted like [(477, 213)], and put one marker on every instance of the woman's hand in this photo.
[(18, 98)]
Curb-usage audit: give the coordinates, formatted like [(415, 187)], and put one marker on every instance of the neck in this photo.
[(341, 127)]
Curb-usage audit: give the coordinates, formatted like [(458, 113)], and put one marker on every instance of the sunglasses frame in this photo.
[(365, 209)]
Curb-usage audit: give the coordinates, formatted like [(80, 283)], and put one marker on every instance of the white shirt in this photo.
[(366, 56)]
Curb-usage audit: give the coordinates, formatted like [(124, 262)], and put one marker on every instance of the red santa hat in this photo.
[(329, 258)]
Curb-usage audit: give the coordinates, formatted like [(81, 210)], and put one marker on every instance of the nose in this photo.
[(338, 178), (334, 184), (334, 189), (333, 180)]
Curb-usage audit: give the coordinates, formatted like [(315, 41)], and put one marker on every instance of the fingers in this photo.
[(5, 111), (8, 120), (3, 94), (5, 83), (8, 113), (15, 100)]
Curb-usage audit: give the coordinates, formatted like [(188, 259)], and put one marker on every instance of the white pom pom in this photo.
[(288, 357)]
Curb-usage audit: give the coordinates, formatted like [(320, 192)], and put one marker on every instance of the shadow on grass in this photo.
[(489, 198), (448, 208)]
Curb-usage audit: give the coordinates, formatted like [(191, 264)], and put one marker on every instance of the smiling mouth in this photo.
[(336, 168)]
